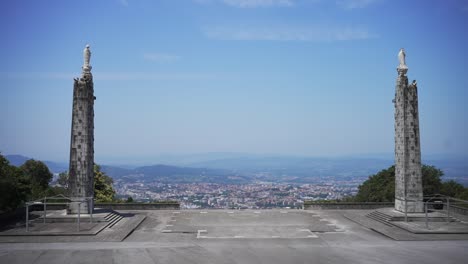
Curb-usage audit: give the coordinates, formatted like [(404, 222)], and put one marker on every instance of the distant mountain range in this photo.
[(240, 168), (163, 173)]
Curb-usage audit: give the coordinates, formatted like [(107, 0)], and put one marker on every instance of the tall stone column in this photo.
[(81, 171), (408, 177)]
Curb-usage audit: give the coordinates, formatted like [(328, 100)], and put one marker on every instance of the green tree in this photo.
[(38, 175), (453, 189), (14, 187), (129, 200), (103, 190), (378, 188), (381, 186), (431, 179), (463, 195)]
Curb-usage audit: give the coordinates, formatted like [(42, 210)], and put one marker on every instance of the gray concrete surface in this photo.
[(266, 240)]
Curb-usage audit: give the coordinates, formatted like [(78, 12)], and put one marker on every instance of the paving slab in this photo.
[(67, 232), (249, 224), (355, 243), (396, 232)]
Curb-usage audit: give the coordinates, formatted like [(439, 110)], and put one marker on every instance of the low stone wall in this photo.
[(458, 210), (332, 206), (20, 213), (138, 206)]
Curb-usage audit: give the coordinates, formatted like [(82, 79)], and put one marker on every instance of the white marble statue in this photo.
[(401, 58), (87, 57)]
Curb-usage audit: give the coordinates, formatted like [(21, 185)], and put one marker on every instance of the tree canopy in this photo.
[(103, 190), (38, 175), (381, 186), (14, 187), (378, 188), (31, 180)]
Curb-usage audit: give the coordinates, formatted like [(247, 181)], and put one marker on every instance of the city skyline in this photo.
[(305, 78)]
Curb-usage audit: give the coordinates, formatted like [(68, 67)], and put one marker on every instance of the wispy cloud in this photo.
[(317, 33), (250, 3), (354, 4), (161, 57)]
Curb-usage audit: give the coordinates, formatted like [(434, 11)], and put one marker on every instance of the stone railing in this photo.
[(454, 209), (139, 206), (19, 213), (344, 205)]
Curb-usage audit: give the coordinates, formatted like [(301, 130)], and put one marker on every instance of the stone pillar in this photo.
[(81, 171), (408, 177)]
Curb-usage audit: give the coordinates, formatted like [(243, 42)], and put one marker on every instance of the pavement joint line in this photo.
[(239, 236), (275, 236), (166, 231), (230, 212), (314, 236), (256, 212), (201, 231), (284, 212), (169, 225), (203, 212), (176, 212)]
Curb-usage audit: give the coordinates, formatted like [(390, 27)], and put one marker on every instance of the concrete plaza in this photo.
[(245, 236)]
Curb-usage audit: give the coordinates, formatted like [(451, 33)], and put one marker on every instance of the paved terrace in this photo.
[(246, 236)]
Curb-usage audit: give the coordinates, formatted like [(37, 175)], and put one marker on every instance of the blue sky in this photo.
[(291, 77)]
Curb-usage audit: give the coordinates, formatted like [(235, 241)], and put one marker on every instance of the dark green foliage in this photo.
[(381, 186), (14, 187), (39, 176), (55, 190), (129, 200), (463, 195), (431, 180), (31, 181), (103, 190), (378, 188), (452, 188)]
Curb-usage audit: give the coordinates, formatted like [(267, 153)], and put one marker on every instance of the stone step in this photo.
[(115, 221), (107, 217), (380, 217), (112, 219)]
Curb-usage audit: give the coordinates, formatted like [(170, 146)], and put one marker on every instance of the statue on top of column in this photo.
[(87, 58), (402, 59)]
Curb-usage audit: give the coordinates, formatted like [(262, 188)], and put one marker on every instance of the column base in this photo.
[(411, 206), (82, 205)]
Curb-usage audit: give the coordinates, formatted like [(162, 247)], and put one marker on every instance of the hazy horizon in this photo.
[(295, 78), (180, 159)]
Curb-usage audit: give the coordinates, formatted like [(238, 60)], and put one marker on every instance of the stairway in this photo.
[(112, 219), (380, 217)]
